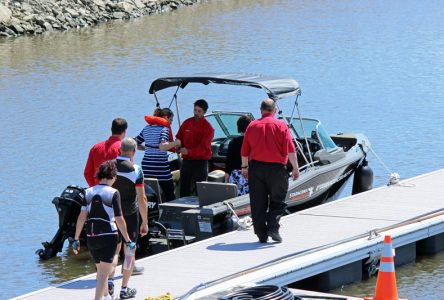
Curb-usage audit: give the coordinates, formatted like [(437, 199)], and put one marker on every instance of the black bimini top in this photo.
[(275, 87)]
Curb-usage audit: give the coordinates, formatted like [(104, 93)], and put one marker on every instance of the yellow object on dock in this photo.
[(166, 296)]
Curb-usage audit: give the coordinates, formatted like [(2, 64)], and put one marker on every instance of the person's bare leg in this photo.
[(114, 265), (116, 259), (111, 275), (113, 270), (103, 271)]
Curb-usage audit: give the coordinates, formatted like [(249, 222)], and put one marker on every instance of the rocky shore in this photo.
[(18, 17)]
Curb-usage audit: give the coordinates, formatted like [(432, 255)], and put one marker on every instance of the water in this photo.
[(372, 67)]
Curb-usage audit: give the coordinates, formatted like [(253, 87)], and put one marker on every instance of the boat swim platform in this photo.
[(328, 243)]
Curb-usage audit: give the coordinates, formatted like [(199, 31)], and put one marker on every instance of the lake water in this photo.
[(375, 67)]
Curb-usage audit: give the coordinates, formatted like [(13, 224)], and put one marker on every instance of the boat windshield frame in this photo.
[(228, 130), (317, 132)]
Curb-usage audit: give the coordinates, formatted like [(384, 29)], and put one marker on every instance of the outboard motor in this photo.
[(363, 179), (153, 203), (153, 226), (68, 207)]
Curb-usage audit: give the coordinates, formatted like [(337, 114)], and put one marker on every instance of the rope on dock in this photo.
[(393, 176), (245, 223)]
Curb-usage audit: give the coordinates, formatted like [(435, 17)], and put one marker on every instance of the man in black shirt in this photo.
[(130, 184)]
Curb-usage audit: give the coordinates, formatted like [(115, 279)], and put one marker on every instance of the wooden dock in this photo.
[(324, 238)]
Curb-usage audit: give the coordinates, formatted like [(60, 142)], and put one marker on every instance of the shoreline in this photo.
[(33, 17)]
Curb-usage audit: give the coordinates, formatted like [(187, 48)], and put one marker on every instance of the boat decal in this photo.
[(333, 181), (308, 192), (295, 196), (243, 211), (151, 204)]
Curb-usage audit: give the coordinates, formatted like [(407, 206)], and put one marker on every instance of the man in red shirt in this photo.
[(195, 136), (105, 150), (266, 149), (101, 152)]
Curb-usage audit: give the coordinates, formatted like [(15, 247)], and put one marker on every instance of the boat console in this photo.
[(207, 214)]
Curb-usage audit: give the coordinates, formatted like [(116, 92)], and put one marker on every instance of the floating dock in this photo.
[(324, 247)]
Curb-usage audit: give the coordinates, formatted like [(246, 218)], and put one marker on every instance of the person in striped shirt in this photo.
[(156, 139)]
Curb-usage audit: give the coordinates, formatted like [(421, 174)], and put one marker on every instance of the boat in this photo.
[(326, 163)]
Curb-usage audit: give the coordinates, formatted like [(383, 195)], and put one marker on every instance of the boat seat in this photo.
[(326, 158), (176, 176), (216, 176), (213, 192)]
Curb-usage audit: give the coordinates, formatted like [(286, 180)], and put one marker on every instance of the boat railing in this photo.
[(308, 166), (299, 148)]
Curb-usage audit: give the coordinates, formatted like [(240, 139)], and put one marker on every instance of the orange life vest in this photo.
[(152, 120)]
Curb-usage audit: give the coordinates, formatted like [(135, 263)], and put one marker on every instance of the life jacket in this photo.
[(152, 120)]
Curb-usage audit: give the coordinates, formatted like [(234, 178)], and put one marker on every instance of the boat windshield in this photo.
[(225, 123), (314, 129)]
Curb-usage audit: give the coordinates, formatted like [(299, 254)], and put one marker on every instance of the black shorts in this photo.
[(132, 225), (103, 248)]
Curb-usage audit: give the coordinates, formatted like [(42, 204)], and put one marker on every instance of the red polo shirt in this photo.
[(98, 154), (196, 137), (268, 140)]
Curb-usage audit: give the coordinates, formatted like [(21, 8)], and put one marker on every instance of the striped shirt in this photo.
[(155, 162)]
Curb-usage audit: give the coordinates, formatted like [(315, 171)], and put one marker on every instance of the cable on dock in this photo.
[(262, 292), (268, 292), (245, 223)]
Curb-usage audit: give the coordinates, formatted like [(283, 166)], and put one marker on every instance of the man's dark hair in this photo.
[(268, 105), (107, 170), (119, 126), (202, 104), (242, 123)]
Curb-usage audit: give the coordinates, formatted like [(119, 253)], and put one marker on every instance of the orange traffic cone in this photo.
[(386, 281)]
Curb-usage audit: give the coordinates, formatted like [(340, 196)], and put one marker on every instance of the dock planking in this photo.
[(315, 240)]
